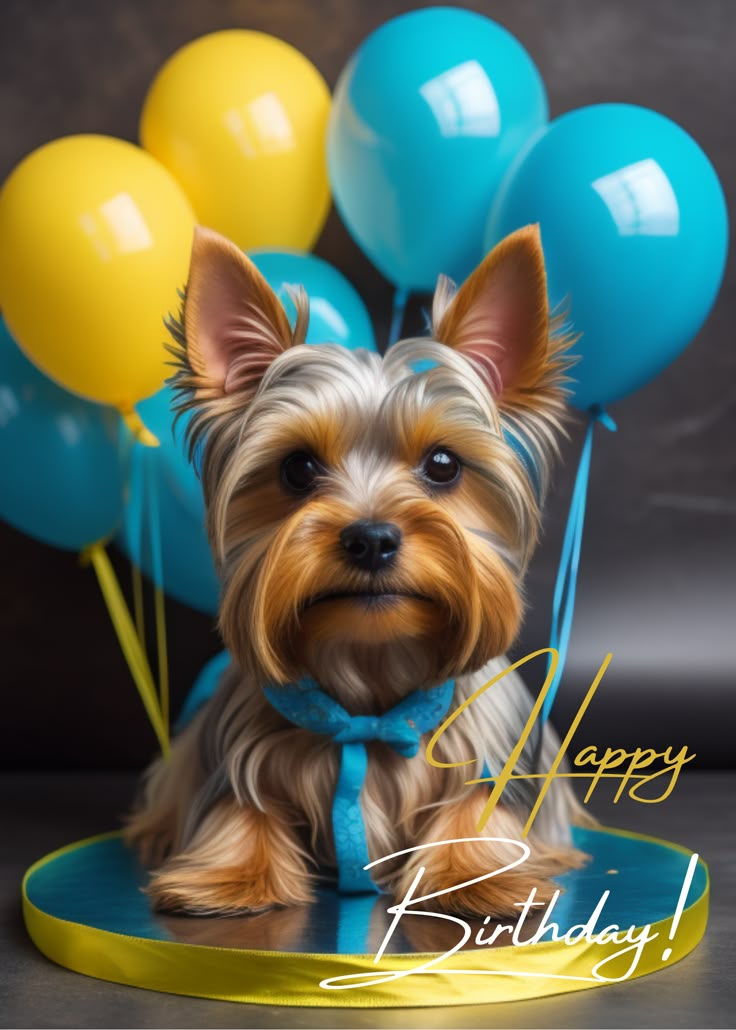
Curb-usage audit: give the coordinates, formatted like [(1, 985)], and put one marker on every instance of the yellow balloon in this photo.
[(95, 239), (240, 119)]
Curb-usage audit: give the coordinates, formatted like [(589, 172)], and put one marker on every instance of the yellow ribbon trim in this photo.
[(287, 978)]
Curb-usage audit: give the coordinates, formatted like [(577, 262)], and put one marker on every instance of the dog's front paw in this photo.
[(516, 865), (240, 861), (464, 888), (202, 891)]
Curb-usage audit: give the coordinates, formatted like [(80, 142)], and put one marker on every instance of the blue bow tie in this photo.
[(306, 705)]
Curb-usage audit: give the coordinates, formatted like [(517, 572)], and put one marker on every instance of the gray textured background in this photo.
[(659, 557)]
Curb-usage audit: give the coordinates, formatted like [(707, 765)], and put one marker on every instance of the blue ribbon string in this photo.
[(134, 523), (563, 604), (351, 844), (354, 923), (398, 311)]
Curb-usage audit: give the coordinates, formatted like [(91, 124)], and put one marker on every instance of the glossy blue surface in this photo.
[(60, 471), (635, 234), (99, 884), (426, 118)]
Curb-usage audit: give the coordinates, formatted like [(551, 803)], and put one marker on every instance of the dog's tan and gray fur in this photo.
[(239, 817)]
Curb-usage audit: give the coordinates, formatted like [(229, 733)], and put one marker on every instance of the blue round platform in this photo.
[(85, 909)]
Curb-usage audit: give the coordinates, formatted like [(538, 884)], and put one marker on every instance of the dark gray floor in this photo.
[(43, 811)]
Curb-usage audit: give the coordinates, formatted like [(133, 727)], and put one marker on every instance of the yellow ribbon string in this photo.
[(141, 435), (130, 644), (161, 636), (139, 616), (159, 604), (150, 510)]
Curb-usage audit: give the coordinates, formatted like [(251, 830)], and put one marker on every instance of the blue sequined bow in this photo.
[(306, 705)]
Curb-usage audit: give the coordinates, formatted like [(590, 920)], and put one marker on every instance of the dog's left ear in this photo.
[(234, 323), (499, 318)]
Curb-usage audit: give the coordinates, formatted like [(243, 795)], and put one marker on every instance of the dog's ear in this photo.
[(499, 317), (234, 324)]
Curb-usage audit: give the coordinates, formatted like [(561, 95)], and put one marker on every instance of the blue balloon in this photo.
[(185, 570), (61, 479), (635, 234), (336, 312), (426, 118)]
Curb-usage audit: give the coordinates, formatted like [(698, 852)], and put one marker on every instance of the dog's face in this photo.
[(355, 501)]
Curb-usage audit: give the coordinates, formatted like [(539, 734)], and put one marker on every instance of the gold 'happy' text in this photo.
[(634, 769)]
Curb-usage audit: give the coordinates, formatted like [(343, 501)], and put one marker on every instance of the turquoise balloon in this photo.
[(635, 234), (186, 571), (336, 312), (60, 473), (426, 118)]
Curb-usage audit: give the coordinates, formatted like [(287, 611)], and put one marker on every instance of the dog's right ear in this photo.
[(499, 317), (234, 324)]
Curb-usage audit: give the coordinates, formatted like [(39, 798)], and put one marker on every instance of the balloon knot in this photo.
[(599, 414), (140, 434), (87, 554)]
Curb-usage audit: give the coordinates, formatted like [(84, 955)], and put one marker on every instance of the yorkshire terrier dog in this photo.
[(371, 519)]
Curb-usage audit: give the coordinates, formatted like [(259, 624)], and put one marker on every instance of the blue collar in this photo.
[(306, 705)]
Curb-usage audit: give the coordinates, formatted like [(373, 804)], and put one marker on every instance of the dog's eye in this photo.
[(441, 467), (299, 472)]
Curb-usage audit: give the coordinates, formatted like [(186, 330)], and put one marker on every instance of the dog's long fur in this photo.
[(239, 817)]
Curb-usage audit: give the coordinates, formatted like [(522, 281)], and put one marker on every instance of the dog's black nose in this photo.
[(371, 545)]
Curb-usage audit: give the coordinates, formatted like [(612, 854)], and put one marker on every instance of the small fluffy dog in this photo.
[(371, 519)]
